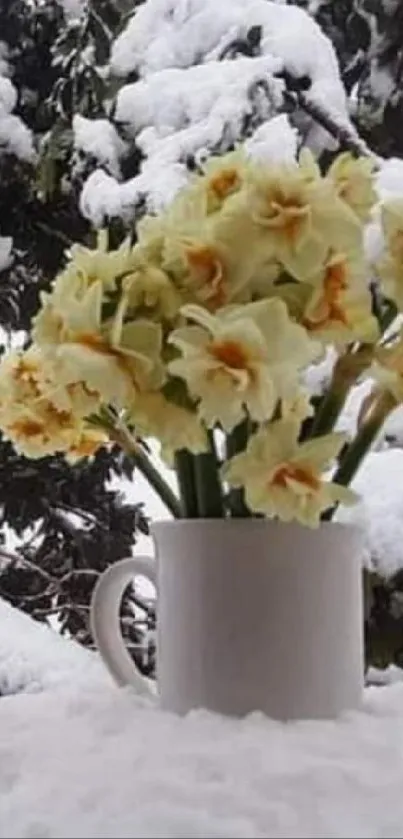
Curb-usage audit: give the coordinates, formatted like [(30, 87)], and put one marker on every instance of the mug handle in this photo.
[(105, 621)]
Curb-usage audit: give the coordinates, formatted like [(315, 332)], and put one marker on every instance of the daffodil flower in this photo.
[(112, 359), (353, 180), (243, 360), (334, 304), (88, 441), (340, 306), (284, 479), (176, 427), (100, 264), (223, 176), (150, 291), (390, 266), (35, 424), (299, 216)]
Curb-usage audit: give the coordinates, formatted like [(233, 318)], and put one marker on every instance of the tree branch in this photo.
[(346, 136)]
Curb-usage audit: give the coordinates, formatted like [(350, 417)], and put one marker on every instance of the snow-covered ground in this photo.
[(80, 757)]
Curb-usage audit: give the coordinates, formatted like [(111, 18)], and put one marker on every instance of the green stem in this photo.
[(186, 475), (330, 409), (121, 435), (158, 483), (210, 500), (347, 370), (236, 442), (358, 448), (388, 316)]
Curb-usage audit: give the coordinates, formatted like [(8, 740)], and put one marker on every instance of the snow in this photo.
[(15, 137), (4, 68), (389, 186), (99, 139), (379, 513), (72, 8), (164, 34), (34, 658), (105, 198), (175, 114), (275, 141), (187, 102), (174, 98), (8, 94), (6, 244), (81, 757), (390, 178)]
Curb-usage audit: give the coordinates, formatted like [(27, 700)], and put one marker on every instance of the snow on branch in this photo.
[(15, 137), (209, 75)]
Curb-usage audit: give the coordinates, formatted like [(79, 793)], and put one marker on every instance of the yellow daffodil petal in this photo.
[(283, 478)]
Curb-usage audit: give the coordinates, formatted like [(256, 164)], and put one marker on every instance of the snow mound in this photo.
[(379, 513), (34, 658)]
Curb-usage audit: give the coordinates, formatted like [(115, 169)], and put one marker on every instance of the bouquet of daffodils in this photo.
[(200, 335)]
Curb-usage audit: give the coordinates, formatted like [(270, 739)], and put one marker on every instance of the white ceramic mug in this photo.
[(251, 615)]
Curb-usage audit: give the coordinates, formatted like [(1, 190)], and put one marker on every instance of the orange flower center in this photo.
[(336, 279), (25, 369), (98, 344), (329, 308), (229, 353), (86, 447), (287, 214), (95, 342), (33, 428), (209, 270), (224, 183), (298, 474), (27, 428), (25, 373)]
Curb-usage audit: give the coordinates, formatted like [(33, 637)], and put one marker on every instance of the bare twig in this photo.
[(56, 234), (346, 136), (13, 560), (55, 610)]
